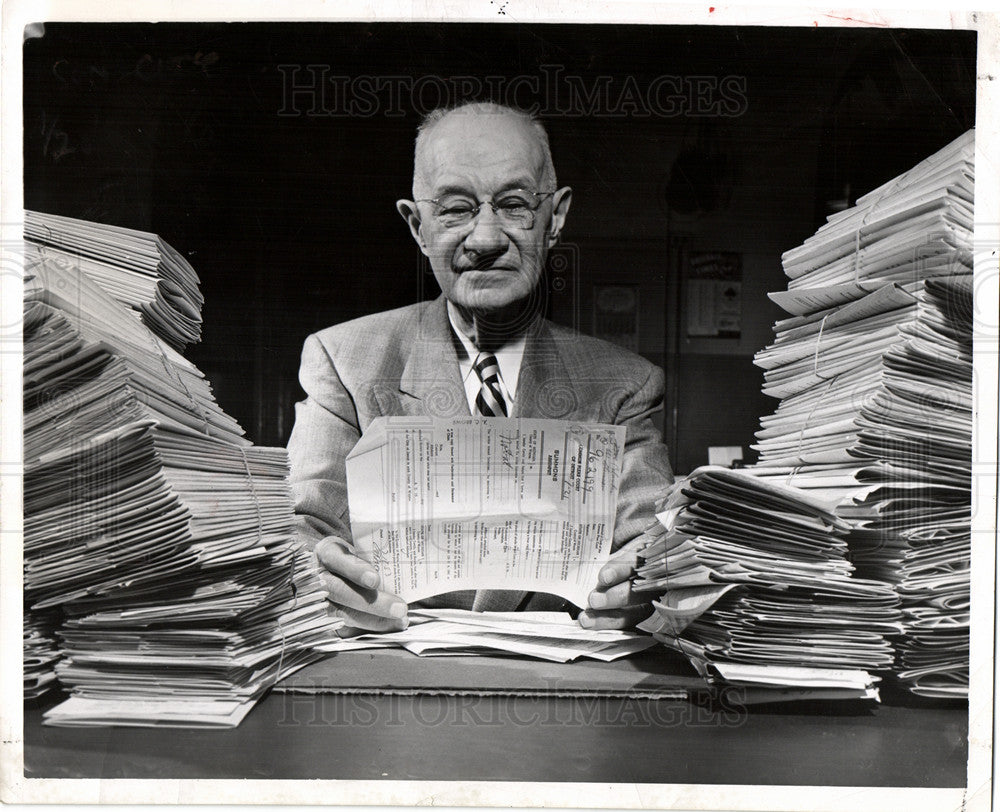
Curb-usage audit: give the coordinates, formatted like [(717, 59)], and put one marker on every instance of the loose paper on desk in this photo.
[(485, 503)]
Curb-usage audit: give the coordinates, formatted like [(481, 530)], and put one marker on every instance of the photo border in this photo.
[(15, 788)]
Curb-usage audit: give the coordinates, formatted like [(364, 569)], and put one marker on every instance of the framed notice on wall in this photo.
[(616, 315), (713, 294)]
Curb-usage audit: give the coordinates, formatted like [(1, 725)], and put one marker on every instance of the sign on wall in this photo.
[(714, 298)]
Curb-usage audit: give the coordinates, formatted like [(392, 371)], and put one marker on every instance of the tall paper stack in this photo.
[(875, 416), (914, 227), (137, 268), (162, 535), (852, 531)]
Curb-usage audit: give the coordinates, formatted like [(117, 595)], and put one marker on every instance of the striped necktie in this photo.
[(490, 401)]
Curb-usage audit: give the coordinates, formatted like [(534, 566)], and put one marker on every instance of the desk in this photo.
[(526, 739)]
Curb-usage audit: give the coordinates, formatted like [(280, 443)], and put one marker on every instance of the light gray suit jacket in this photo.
[(404, 362)]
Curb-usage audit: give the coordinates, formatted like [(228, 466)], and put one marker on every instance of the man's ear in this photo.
[(560, 208), (408, 211)]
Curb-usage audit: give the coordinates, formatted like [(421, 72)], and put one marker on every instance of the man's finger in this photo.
[(622, 564), (616, 571), (370, 601), (618, 619), (362, 622), (333, 553), (614, 597)]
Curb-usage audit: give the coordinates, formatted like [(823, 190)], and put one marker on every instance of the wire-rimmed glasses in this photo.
[(514, 207)]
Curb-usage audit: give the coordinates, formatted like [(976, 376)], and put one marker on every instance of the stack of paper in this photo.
[(875, 418), (199, 653), (756, 574), (69, 313), (163, 536), (907, 492), (553, 636), (138, 268), (755, 684), (825, 367), (138, 504), (916, 226), (40, 653)]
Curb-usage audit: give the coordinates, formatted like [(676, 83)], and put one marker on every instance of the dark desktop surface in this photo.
[(541, 738)]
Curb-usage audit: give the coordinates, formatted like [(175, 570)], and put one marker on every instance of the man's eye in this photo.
[(456, 207), (513, 205)]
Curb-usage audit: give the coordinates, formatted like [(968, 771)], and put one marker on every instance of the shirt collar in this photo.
[(508, 356)]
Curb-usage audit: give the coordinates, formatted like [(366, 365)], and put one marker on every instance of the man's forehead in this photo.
[(489, 147)]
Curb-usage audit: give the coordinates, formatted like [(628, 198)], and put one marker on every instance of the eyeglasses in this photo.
[(515, 208)]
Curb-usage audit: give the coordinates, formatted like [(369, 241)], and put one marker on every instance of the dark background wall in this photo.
[(283, 199)]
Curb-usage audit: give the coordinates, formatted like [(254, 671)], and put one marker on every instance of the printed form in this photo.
[(485, 503)]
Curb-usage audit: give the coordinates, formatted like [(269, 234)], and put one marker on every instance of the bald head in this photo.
[(483, 128)]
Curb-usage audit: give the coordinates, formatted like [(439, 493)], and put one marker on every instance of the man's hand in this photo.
[(352, 587), (612, 604)]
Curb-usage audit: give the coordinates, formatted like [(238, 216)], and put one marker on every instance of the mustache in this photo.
[(484, 263)]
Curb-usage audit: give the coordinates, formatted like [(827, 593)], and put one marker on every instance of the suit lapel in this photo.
[(430, 383), (545, 387)]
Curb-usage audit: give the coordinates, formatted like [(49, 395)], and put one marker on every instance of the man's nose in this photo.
[(487, 235)]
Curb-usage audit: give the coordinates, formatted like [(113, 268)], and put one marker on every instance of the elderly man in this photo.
[(485, 212)]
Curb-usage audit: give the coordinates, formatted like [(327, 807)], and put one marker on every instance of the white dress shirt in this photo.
[(508, 359)]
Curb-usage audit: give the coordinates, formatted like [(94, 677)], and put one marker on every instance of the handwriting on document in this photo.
[(485, 503)]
